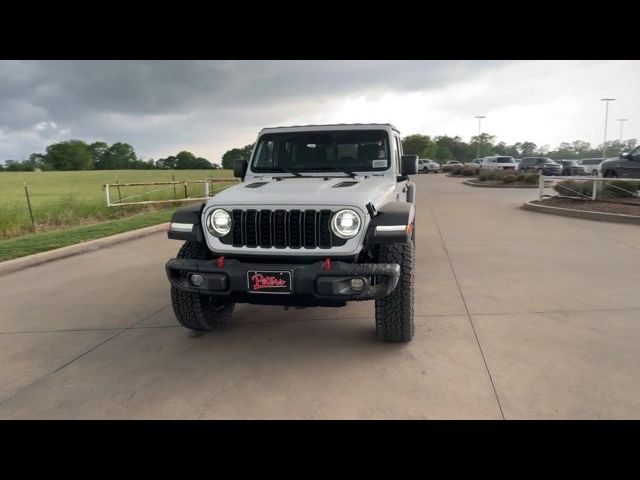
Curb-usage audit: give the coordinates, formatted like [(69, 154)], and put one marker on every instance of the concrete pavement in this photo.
[(519, 315)]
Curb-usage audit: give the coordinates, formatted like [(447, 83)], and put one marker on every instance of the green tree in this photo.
[(420, 145), (455, 147), (18, 166), (486, 142), (119, 156), (188, 161), (168, 163), (231, 155), (527, 148), (97, 149), (444, 153), (69, 155)]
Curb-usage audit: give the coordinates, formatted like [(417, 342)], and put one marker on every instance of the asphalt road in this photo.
[(519, 315)]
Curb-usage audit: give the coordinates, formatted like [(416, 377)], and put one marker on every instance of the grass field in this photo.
[(69, 199), (41, 242)]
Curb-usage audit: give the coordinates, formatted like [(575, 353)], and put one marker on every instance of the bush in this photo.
[(468, 172), (509, 178), (483, 176), (618, 189), (531, 178)]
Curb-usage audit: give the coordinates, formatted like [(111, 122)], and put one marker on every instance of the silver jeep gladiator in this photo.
[(324, 214)]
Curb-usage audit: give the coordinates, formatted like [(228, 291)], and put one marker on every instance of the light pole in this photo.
[(606, 117), (622, 120), (479, 117)]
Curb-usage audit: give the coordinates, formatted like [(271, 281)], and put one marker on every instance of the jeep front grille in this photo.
[(282, 229)]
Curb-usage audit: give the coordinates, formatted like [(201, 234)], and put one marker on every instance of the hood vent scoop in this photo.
[(345, 184), (256, 184)]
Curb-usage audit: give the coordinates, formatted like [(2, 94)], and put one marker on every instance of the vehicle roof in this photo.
[(333, 126)]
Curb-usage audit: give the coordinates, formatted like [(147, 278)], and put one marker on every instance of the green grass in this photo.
[(61, 200), (41, 242)]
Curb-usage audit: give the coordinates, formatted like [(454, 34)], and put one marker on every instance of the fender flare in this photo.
[(395, 220), (186, 224)]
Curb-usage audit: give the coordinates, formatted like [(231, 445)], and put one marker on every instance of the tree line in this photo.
[(444, 148), (79, 155)]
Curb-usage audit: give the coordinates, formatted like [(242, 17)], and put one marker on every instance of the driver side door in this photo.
[(630, 167)]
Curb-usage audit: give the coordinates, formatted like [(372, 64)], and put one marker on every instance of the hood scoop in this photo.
[(345, 184), (256, 184)]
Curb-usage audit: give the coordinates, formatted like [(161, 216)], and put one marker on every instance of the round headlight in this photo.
[(345, 223), (219, 222)]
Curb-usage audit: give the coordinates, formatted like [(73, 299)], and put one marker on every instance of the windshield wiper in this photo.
[(287, 170), (338, 169)]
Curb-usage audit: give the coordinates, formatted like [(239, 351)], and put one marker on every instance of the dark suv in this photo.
[(540, 164), (627, 166), (571, 167)]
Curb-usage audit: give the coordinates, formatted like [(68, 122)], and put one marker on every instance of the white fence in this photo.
[(174, 184), (598, 182)]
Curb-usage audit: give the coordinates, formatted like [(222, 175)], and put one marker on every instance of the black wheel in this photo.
[(195, 311), (394, 313)]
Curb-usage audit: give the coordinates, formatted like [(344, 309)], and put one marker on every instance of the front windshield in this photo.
[(356, 150), (506, 160)]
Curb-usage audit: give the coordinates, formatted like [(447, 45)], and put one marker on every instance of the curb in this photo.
[(506, 185), (77, 249), (584, 214)]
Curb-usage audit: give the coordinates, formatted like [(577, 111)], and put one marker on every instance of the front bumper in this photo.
[(311, 283)]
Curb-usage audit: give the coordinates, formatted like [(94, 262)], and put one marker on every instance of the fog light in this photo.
[(196, 279), (357, 284)]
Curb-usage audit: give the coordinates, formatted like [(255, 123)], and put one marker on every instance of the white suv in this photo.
[(425, 166), (497, 162), (592, 165)]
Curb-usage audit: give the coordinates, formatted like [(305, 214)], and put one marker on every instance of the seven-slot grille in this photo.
[(282, 228)]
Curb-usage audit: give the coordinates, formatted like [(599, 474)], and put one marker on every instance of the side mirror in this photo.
[(409, 165), (239, 167), (625, 155)]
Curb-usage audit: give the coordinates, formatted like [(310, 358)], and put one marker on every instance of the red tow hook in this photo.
[(220, 262), (327, 264)]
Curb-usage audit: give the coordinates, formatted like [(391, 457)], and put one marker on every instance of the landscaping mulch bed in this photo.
[(630, 207)]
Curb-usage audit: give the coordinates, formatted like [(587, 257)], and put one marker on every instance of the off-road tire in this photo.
[(394, 313), (195, 311)]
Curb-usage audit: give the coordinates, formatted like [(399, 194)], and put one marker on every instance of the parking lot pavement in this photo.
[(519, 315)]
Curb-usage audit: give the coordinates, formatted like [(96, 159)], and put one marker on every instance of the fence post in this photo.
[(120, 198), (106, 194), (175, 193), (186, 193), (206, 188), (594, 193), (541, 184), (26, 191)]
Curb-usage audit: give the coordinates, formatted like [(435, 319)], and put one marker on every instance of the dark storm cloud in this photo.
[(158, 105)]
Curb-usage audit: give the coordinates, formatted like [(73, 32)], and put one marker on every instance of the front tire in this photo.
[(193, 310), (394, 313)]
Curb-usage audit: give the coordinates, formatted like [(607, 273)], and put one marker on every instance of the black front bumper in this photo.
[(311, 283)]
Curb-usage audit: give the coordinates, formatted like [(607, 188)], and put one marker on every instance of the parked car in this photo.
[(543, 165), (498, 162), (425, 166), (571, 167), (592, 165), (450, 165), (473, 163), (626, 165)]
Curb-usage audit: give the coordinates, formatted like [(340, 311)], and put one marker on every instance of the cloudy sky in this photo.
[(207, 107)]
